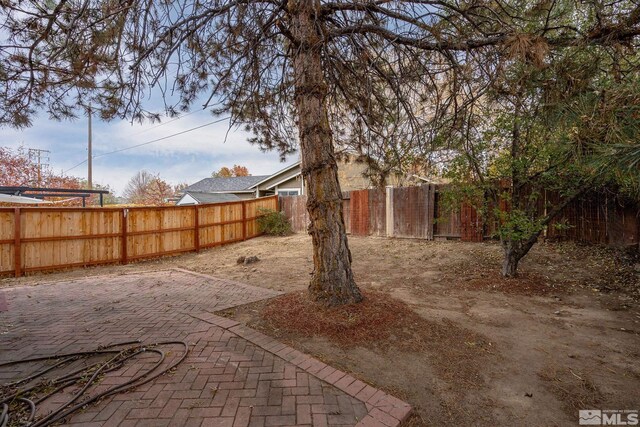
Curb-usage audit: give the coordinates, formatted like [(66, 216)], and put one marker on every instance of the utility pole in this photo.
[(89, 156), (37, 157)]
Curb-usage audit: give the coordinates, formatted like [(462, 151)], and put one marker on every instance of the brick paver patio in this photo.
[(233, 375)]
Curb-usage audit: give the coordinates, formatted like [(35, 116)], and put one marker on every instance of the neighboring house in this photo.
[(285, 182), (213, 190), (351, 175), (289, 182), (198, 198)]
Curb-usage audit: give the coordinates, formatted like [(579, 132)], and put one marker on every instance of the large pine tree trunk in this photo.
[(332, 282)]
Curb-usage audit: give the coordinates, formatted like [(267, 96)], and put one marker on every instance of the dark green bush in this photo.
[(273, 223)]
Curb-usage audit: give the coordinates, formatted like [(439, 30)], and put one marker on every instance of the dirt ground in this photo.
[(526, 351)]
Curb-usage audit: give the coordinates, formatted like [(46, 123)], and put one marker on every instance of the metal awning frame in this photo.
[(40, 192)]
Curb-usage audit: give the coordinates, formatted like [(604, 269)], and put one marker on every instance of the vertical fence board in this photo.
[(471, 225), (346, 210), (196, 228), (7, 241), (124, 236), (624, 226), (253, 207), (17, 257), (377, 212)]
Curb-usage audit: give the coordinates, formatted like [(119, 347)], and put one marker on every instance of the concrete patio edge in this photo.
[(384, 409)]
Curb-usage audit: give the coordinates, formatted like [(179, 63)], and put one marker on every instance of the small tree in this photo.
[(238, 170), (226, 172), (179, 188), (15, 168), (536, 140), (146, 188)]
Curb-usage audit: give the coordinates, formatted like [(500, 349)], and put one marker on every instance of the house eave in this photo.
[(275, 174), (284, 180)]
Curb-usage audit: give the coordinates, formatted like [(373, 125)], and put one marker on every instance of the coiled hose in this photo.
[(19, 400)]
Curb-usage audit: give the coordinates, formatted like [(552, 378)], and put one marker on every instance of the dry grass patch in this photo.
[(527, 284), (574, 389)]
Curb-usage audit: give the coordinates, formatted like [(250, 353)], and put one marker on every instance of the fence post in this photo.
[(196, 231), (244, 220), (431, 210), (17, 257), (637, 233), (389, 211), (123, 250)]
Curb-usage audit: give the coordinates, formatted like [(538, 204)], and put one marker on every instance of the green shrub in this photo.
[(273, 223)]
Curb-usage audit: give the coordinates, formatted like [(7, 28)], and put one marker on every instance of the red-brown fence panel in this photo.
[(596, 218), (471, 225), (360, 212)]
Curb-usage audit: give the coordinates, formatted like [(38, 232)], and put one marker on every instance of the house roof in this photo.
[(211, 197), (231, 184)]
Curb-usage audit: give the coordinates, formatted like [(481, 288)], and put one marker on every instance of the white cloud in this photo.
[(185, 158), (208, 140)]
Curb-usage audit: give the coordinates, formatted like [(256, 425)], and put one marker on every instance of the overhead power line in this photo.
[(150, 142), (167, 122), (163, 138), (73, 167)]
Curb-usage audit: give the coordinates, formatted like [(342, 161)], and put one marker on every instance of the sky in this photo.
[(184, 158)]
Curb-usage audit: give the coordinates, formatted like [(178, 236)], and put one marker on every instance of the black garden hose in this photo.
[(15, 399)]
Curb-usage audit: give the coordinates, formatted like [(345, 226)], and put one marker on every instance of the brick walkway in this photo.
[(233, 375)]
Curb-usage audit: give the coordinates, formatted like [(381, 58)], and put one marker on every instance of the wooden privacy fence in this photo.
[(35, 239), (597, 218), (413, 211), (367, 213), (295, 209), (417, 212), (399, 212)]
